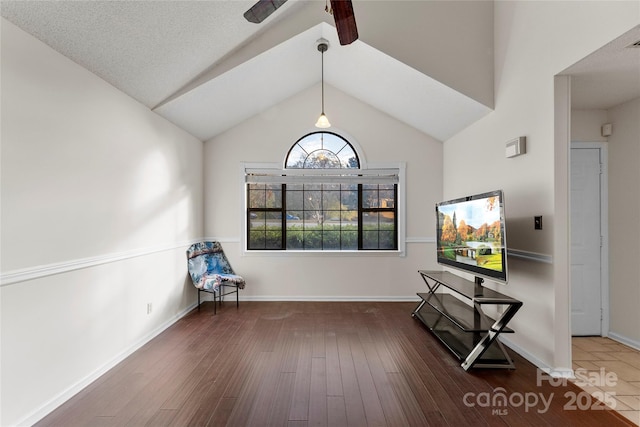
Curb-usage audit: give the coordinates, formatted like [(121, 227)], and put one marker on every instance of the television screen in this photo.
[(471, 235)]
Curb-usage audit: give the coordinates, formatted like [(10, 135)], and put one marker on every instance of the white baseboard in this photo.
[(74, 389), (556, 372), (331, 298), (624, 340)]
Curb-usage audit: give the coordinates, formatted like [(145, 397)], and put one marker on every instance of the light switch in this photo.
[(537, 222)]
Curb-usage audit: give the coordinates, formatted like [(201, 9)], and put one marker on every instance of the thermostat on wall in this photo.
[(516, 146)]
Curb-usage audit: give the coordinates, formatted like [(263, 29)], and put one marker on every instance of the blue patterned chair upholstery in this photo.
[(211, 272)]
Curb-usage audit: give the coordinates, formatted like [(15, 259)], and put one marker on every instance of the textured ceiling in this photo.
[(609, 76), (186, 58), (147, 49)]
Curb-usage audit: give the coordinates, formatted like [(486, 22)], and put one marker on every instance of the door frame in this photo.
[(604, 231)]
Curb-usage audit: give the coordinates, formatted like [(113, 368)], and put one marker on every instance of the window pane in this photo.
[(313, 201), (349, 198), (348, 160), (265, 196), (296, 157), (370, 239), (331, 239), (350, 240), (370, 219), (256, 220), (295, 202), (331, 217), (313, 239), (386, 239), (334, 143), (295, 238), (370, 199), (256, 197), (293, 221), (273, 239), (331, 200), (273, 198), (256, 240), (386, 217), (312, 142), (349, 219), (322, 159)]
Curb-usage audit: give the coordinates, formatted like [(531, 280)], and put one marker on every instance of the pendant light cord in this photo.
[(322, 77)]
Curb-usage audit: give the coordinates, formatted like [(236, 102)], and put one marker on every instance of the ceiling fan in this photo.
[(342, 11)]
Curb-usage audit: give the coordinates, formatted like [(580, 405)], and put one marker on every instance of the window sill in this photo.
[(290, 253)]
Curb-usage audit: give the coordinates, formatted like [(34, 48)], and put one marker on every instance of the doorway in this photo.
[(589, 283)]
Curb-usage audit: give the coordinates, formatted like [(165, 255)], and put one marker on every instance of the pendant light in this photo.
[(323, 121)]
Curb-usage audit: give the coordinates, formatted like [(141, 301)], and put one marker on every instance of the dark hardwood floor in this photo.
[(317, 364)]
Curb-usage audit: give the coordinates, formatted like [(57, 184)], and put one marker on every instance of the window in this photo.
[(322, 200)]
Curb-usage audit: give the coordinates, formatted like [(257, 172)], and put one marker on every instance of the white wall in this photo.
[(100, 197), (586, 125), (267, 138), (534, 41), (450, 41), (624, 222)]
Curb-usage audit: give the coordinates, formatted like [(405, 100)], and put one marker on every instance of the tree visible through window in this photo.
[(316, 215)]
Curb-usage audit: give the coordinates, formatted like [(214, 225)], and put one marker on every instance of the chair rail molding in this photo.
[(36, 272)]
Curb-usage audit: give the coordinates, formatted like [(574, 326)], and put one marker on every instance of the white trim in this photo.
[(36, 272), (530, 256), (555, 372), (624, 340), (238, 240), (321, 176), (45, 409), (421, 240), (327, 253), (222, 239), (260, 298)]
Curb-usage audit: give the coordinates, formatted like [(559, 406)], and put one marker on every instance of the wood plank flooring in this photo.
[(300, 364)]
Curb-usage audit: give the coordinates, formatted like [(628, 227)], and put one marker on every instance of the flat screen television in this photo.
[(471, 235)]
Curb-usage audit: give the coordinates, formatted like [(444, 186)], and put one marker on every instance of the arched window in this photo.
[(322, 150), (322, 200)]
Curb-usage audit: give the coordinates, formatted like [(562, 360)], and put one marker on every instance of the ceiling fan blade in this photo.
[(345, 21), (262, 9)]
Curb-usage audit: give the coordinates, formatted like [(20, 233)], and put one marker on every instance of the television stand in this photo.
[(456, 318)]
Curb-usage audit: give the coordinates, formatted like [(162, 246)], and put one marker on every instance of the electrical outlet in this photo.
[(149, 308)]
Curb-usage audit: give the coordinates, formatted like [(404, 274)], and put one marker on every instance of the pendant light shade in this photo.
[(323, 121)]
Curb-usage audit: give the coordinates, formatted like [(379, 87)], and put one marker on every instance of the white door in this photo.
[(586, 295)]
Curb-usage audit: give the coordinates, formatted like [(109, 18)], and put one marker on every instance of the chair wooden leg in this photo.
[(199, 299), (214, 302), (237, 297)]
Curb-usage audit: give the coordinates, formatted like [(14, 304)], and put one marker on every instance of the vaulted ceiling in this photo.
[(201, 65)]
